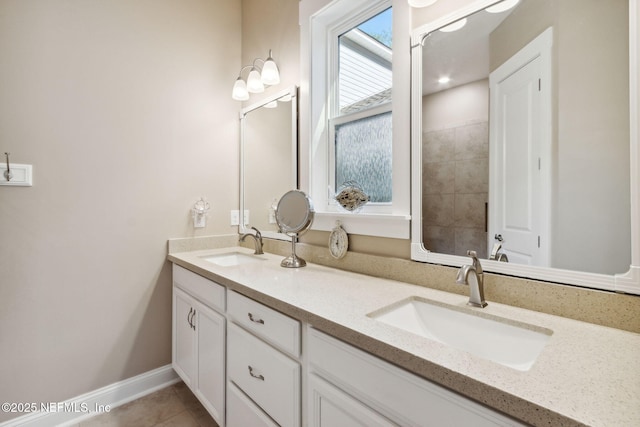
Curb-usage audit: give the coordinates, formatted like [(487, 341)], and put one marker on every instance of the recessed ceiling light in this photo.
[(444, 80), (455, 26), (502, 6)]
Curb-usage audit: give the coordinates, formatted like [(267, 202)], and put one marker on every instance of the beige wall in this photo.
[(123, 108), (593, 137), (272, 24)]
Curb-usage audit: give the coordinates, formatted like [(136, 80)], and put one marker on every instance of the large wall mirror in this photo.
[(523, 125), (268, 160)]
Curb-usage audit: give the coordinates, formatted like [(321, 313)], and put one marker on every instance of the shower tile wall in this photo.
[(455, 184)]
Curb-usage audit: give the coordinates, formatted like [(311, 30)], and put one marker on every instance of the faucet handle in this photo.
[(258, 234), (476, 261)]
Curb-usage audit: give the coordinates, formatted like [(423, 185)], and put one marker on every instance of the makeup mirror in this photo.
[(294, 216)]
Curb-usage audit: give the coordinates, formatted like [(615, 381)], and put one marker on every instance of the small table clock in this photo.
[(338, 241)]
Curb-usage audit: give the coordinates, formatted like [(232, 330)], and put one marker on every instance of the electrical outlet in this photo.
[(235, 217), (199, 221)]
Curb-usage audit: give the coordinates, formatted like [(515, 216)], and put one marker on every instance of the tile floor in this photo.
[(174, 406)]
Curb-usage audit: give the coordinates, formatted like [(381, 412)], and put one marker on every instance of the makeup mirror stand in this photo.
[(293, 261)]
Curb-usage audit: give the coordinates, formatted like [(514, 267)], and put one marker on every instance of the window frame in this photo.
[(320, 21)]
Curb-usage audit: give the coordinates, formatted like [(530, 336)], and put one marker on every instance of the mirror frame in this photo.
[(628, 282), (293, 92)]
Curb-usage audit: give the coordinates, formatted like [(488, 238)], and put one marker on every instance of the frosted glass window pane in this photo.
[(363, 154)]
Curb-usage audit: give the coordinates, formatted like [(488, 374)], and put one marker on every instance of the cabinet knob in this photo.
[(260, 377)]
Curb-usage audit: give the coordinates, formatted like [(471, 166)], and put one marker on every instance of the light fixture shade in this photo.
[(270, 74), (421, 3), (239, 92), (254, 82)]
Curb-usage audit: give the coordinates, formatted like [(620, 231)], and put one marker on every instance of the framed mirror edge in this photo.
[(293, 92), (627, 282)]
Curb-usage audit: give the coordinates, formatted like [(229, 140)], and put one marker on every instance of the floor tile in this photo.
[(183, 419), (172, 406)]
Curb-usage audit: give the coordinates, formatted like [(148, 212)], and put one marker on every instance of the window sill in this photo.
[(379, 225)]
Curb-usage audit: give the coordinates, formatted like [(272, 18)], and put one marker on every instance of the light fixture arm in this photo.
[(242, 69)]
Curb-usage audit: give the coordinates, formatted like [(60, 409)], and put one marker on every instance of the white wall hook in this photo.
[(7, 174)]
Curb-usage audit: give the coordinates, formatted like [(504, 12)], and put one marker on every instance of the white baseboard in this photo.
[(85, 406)]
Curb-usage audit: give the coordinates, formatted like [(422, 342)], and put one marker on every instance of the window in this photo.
[(351, 124), (360, 123)]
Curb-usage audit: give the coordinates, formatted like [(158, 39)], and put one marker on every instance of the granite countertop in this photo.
[(586, 375)]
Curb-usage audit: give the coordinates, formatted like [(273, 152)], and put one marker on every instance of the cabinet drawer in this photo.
[(268, 377), (208, 292), (399, 395), (242, 412), (276, 328)]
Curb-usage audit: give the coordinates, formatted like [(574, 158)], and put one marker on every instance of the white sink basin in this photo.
[(513, 344), (229, 259)]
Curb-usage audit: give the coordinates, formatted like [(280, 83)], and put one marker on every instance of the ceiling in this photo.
[(463, 55)]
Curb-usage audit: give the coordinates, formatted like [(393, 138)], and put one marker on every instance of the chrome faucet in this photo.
[(258, 240), (476, 287)]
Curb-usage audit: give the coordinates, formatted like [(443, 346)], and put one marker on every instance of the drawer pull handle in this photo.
[(255, 320), (260, 377)]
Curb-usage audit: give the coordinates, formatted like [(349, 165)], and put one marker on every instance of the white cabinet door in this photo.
[(184, 351), (199, 351), (209, 328), (331, 407)]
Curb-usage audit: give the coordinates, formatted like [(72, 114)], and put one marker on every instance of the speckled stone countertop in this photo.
[(586, 375)]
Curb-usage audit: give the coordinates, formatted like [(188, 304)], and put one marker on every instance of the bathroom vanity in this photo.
[(309, 347)]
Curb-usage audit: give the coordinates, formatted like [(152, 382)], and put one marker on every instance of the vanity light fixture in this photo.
[(502, 6), (444, 80), (421, 3), (257, 79), (455, 26)]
